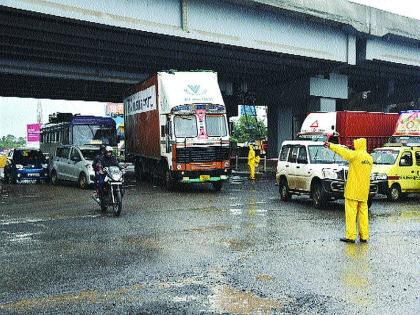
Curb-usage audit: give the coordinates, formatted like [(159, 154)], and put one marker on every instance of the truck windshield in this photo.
[(320, 155), (185, 126), (384, 157), (216, 126), (87, 134)]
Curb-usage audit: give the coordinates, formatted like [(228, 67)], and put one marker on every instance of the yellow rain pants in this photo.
[(253, 162), (357, 187)]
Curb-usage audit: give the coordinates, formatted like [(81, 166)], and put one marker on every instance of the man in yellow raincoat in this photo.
[(356, 192), (253, 161)]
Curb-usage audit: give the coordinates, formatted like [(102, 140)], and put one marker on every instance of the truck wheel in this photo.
[(169, 181), (284, 190), (217, 186), (318, 196), (139, 170), (394, 193), (83, 184)]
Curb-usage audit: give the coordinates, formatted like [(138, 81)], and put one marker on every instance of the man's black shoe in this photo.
[(363, 241), (346, 240)]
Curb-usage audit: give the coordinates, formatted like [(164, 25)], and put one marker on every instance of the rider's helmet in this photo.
[(108, 150)]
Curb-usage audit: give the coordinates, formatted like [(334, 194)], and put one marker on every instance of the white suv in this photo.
[(306, 167)]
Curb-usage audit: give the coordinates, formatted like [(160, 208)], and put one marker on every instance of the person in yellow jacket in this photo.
[(253, 161), (356, 191)]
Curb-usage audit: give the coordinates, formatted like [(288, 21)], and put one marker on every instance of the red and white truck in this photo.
[(407, 129), (176, 128), (344, 126)]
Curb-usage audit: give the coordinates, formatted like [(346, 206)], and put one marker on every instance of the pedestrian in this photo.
[(356, 191), (253, 161)]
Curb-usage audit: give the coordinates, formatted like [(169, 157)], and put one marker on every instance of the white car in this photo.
[(72, 163), (306, 167)]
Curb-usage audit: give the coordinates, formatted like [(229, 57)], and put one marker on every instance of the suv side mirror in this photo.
[(404, 162)]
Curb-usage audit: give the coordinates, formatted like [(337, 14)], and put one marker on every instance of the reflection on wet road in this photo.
[(240, 251)]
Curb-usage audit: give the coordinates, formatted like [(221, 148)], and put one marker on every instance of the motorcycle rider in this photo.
[(96, 170), (106, 160)]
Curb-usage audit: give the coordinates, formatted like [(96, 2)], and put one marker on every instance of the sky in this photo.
[(15, 113), (410, 8)]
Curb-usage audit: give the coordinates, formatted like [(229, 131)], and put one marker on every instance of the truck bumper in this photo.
[(201, 176)]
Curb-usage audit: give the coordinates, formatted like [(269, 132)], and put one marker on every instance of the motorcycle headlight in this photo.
[(44, 165), (329, 173), (19, 166)]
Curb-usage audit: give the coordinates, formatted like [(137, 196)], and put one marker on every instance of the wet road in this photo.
[(194, 251)]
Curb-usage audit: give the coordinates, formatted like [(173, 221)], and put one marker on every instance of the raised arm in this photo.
[(345, 153)]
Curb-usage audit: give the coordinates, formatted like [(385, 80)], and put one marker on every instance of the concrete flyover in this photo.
[(293, 55)]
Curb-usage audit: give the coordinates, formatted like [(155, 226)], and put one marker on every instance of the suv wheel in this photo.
[(284, 190), (394, 193), (83, 184), (318, 196)]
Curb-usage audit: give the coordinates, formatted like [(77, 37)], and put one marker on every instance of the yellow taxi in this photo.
[(3, 160), (399, 169)]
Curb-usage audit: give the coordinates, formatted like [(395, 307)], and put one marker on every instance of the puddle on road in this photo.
[(22, 237), (211, 228), (237, 244), (230, 300), (150, 243), (52, 218)]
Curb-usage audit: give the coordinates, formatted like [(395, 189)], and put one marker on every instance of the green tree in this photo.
[(248, 129), (10, 142)]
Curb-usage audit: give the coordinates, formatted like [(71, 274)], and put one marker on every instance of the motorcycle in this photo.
[(113, 190)]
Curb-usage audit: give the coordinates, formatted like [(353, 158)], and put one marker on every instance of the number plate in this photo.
[(204, 178), (33, 175)]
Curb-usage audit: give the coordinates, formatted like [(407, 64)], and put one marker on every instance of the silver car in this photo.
[(73, 163)]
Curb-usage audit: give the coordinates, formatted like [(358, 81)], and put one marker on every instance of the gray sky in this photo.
[(15, 113), (410, 8)]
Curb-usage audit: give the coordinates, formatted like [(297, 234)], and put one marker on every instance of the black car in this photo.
[(26, 165)]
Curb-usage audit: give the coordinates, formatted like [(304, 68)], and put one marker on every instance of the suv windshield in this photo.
[(321, 155), (185, 126), (89, 154), (216, 126), (28, 157), (385, 157)]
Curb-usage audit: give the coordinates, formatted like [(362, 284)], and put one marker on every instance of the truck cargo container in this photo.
[(344, 127), (176, 129)]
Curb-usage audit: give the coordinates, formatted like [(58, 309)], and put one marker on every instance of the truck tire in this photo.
[(394, 193), (318, 196), (284, 190), (217, 186), (139, 170), (169, 181)]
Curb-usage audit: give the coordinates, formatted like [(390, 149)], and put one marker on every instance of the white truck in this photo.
[(176, 128)]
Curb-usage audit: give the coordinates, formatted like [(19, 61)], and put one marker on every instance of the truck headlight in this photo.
[(329, 173)]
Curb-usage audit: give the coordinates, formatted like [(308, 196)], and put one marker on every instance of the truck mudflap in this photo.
[(201, 176)]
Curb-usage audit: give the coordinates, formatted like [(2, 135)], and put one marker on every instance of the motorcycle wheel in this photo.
[(118, 203)]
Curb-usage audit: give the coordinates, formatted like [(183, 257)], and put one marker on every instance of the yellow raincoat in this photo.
[(253, 161), (357, 187)]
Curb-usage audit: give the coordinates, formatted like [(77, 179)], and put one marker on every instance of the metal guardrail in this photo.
[(263, 160)]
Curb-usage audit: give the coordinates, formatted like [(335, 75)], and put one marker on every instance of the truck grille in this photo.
[(200, 154)]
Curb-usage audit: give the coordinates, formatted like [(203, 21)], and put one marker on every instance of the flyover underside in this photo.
[(48, 57)]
